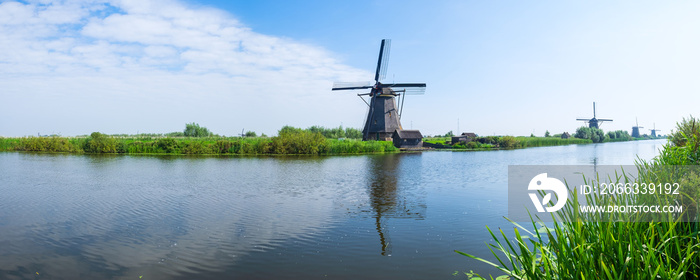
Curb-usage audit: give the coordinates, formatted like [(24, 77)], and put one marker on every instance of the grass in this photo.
[(295, 143), (549, 141), (506, 142), (594, 246)]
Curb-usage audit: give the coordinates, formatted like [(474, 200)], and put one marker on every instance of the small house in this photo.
[(407, 139), (565, 135), (465, 137)]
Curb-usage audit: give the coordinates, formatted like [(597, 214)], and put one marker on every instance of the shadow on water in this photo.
[(387, 199)]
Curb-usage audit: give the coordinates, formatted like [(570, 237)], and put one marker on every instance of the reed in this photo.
[(593, 247), (296, 143), (549, 141), (604, 247)]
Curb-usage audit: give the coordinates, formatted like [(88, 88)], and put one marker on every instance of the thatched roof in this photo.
[(408, 134)]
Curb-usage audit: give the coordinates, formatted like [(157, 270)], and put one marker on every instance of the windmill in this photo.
[(653, 131), (594, 123), (635, 129), (383, 118)]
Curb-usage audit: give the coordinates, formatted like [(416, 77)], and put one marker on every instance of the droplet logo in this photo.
[(542, 182)]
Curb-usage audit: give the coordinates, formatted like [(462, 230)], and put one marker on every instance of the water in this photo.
[(350, 217)]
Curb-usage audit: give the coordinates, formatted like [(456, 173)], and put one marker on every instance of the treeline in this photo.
[(289, 141)]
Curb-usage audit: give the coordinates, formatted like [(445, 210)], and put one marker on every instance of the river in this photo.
[(398, 216)]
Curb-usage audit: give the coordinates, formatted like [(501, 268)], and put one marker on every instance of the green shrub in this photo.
[(168, 145), (48, 144), (595, 134), (196, 148), (194, 130), (99, 143), (507, 142), (223, 147), (292, 141)]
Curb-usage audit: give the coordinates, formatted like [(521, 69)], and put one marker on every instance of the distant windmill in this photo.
[(383, 118), (653, 131), (635, 129), (594, 123)]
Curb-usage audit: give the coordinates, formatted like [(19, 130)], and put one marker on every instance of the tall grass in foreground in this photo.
[(594, 246)]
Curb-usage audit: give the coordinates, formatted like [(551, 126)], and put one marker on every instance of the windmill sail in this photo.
[(351, 85), (383, 61)]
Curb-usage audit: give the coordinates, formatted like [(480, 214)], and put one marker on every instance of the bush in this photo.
[(168, 145), (683, 147), (99, 143), (507, 142), (297, 141), (196, 148), (686, 131), (48, 144), (595, 134), (194, 130)]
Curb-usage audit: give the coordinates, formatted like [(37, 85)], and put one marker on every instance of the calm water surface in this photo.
[(352, 217)]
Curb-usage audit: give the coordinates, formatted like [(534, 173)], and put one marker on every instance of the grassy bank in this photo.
[(505, 142), (579, 246), (525, 142), (293, 143)]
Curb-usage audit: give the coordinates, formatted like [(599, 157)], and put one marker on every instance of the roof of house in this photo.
[(469, 134), (408, 134)]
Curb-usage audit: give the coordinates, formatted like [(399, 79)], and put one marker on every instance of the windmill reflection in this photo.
[(390, 195)]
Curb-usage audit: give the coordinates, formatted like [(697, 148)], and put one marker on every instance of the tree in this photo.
[(100, 143), (595, 134), (353, 133), (194, 130), (583, 133), (250, 134), (546, 133), (449, 134)]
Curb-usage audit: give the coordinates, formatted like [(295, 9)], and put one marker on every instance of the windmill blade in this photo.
[(403, 85), (583, 120), (605, 120), (411, 91), (383, 60), (351, 85)]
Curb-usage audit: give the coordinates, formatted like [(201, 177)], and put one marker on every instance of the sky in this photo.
[(491, 67)]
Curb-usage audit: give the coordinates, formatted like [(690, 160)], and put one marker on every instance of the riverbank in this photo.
[(294, 144), (502, 142), (287, 144)]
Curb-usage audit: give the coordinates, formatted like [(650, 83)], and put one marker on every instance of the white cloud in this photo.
[(123, 66)]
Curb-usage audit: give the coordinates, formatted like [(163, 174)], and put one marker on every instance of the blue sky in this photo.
[(74, 67)]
